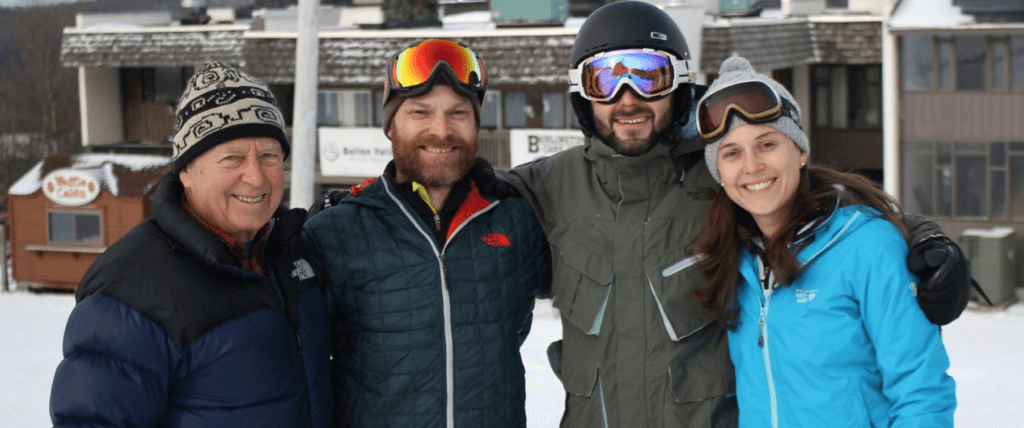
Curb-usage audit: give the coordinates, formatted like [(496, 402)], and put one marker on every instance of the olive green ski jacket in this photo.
[(636, 351)]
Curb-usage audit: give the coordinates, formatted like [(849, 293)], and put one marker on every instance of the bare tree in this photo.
[(47, 90)]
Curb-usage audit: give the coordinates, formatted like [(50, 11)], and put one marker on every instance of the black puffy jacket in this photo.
[(170, 331)]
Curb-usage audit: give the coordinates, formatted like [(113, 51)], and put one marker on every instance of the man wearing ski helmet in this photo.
[(619, 212)]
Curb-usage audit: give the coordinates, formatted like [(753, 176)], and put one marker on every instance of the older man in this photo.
[(431, 285), (207, 314)]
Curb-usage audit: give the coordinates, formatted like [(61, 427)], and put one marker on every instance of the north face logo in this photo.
[(804, 296), (303, 270), (496, 240)]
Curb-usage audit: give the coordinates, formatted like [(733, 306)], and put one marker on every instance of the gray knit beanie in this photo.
[(737, 69), (221, 104)]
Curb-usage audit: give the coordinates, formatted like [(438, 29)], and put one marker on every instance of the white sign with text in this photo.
[(532, 144), (71, 188), (353, 152)]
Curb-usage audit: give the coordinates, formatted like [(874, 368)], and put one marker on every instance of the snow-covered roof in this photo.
[(921, 14), (995, 232), (120, 174)]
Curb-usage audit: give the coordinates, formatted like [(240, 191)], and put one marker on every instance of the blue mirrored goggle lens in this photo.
[(650, 72)]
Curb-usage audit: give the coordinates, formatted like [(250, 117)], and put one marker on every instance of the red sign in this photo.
[(70, 187)]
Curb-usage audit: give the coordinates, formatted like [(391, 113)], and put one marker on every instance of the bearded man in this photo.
[(430, 284)]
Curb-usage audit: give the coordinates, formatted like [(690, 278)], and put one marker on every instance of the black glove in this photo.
[(555, 358), (943, 271), (482, 173), (326, 201)]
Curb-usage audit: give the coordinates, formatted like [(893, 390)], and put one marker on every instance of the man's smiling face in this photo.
[(630, 125), (433, 138)]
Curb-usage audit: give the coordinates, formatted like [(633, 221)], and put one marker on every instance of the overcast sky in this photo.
[(10, 3)]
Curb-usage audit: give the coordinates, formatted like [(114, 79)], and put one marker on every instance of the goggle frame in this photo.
[(682, 73)]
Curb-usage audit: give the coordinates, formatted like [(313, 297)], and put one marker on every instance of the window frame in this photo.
[(856, 83), (101, 241), (991, 168), (368, 108)]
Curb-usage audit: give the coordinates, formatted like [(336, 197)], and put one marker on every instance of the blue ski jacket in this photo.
[(846, 345)]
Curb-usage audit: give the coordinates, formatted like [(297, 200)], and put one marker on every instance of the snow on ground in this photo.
[(986, 349)]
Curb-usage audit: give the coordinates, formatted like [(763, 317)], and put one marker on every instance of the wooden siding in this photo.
[(962, 117), (845, 149), (768, 47), (62, 269)]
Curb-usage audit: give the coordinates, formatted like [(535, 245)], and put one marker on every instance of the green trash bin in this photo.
[(993, 261)]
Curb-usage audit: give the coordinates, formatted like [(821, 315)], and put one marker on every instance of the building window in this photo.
[(345, 108), (378, 107), (970, 63), (964, 180), (963, 63), (553, 110), (74, 228), (515, 109), (998, 77), (918, 60), (1017, 62), (847, 97), (489, 110), (945, 63)]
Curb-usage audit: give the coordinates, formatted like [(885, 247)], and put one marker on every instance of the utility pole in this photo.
[(307, 59)]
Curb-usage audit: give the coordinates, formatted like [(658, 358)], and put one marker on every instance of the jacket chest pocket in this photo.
[(582, 281), (671, 280)]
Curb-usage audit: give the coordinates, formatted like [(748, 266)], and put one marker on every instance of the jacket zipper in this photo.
[(762, 342), (298, 345), (445, 298), (437, 222)]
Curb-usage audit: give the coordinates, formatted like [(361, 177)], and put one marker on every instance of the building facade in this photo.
[(960, 93)]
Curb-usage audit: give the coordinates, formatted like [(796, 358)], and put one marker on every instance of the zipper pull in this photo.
[(760, 331), (437, 222)]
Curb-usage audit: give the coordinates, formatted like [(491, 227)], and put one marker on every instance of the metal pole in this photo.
[(303, 156), (3, 257), (890, 108)]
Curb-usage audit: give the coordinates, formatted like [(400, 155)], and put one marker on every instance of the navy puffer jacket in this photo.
[(425, 335), (170, 331)]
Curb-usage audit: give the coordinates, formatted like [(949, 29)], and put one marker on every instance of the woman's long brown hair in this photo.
[(727, 228)]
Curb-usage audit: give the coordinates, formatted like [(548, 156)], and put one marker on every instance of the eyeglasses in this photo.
[(415, 70), (649, 72), (754, 100)]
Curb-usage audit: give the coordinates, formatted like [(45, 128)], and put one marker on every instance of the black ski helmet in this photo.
[(629, 25)]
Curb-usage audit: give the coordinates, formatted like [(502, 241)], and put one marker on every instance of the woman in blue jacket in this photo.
[(806, 268)]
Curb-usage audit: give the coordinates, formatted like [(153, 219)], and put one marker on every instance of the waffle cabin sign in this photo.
[(70, 187)]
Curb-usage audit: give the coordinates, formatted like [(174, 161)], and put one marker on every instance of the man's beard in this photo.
[(632, 145), (441, 173)]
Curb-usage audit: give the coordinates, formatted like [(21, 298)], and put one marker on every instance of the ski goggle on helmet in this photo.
[(651, 74), (755, 101), (414, 71)]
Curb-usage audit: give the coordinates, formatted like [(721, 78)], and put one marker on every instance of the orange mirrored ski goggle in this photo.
[(415, 70)]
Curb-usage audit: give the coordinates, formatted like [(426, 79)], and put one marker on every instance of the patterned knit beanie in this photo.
[(221, 104), (736, 69)]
